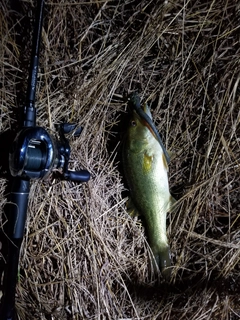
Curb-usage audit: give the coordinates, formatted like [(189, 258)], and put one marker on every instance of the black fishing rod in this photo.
[(34, 155)]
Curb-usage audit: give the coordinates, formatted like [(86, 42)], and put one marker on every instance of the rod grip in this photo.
[(7, 309), (16, 209)]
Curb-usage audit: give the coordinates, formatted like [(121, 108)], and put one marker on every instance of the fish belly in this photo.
[(149, 190)]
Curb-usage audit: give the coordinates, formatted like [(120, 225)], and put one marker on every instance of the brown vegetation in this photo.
[(83, 256)]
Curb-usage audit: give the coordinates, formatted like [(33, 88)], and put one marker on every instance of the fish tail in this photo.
[(163, 261)]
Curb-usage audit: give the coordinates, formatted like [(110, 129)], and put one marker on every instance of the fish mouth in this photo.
[(135, 104)]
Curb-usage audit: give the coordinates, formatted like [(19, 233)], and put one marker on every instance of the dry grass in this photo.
[(83, 257)]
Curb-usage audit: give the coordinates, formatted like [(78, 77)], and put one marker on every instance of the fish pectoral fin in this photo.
[(131, 209)]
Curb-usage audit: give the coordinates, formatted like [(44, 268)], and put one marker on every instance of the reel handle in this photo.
[(77, 176)]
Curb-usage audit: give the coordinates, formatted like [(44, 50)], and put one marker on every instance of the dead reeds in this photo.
[(83, 257)]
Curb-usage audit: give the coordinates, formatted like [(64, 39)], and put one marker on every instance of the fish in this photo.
[(145, 166)]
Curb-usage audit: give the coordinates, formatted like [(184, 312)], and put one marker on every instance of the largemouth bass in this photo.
[(145, 163)]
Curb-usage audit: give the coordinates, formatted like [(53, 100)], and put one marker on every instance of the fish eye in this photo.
[(133, 123)]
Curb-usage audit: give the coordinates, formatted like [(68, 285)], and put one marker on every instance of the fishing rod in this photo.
[(34, 155)]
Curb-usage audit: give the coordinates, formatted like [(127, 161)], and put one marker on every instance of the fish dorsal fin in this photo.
[(165, 161), (171, 204)]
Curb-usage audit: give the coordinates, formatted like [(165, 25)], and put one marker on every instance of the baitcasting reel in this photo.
[(35, 154)]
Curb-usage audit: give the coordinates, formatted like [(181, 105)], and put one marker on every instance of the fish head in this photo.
[(142, 130), (139, 132)]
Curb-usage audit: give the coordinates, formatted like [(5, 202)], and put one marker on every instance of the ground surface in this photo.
[(83, 256)]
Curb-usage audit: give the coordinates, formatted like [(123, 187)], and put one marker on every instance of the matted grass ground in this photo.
[(83, 256)]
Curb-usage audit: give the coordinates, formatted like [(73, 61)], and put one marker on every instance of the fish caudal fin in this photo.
[(163, 260)]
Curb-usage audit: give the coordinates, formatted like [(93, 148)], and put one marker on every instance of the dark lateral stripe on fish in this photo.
[(147, 124)]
